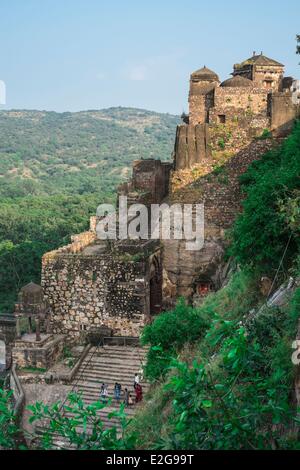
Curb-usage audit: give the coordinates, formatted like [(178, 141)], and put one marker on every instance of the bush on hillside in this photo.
[(168, 333), (260, 234)]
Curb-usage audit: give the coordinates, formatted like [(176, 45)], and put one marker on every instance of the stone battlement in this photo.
[(77, 245)]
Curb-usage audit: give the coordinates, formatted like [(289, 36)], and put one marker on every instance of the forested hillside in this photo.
[(91, 151), (54, 171)]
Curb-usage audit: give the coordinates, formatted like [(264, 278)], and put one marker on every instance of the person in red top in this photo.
[(138, 393)]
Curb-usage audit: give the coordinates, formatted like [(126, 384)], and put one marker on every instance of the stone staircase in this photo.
[(107, 364), (110, 364)]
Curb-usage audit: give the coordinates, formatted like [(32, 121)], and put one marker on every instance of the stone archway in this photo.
[(155, 286), (2, 355)]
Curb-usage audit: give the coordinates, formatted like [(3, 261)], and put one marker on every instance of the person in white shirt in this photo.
[(136, 380)]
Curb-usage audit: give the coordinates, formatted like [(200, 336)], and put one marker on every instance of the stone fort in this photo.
[(121, 285), (230, 114)]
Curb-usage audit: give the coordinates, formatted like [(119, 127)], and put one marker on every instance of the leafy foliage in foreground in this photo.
[(8, 427), (236, 392), (81, 429), (78, 425), (170, 331)]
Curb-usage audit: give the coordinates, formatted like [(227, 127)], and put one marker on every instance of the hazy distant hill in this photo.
[(90, 151)]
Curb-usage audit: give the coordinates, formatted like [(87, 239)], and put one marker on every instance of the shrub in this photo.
[(260, 233), (266, 134), (221, 143), (170, 331), (8, 427), (167, 335)]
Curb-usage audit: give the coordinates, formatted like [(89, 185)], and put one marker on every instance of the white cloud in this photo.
[(138, 73), (152, 67), (100, 76)]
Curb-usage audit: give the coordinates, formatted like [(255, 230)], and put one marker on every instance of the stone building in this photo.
[(264, 72), (149, 183), (255, 98), (230, 124), (117, 284)]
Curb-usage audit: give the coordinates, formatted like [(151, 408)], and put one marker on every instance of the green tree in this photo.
[(78, 426), (8, 427)]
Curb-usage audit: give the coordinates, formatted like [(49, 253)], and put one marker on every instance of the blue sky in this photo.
[(73, 55)]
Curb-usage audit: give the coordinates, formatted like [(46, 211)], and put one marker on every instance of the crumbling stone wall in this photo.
[(42, 355), (78, 242), (201, 98), (86, 291), (238, 100), (283, 111), (219, 190), (149, 183)]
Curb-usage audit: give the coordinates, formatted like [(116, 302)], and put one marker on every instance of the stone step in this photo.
[(129, 364), (114, 372), (121, 348), (114, 359), (119, 354), (94, 393), (105, 411), (99, 370), (110, 364), (109, 377)]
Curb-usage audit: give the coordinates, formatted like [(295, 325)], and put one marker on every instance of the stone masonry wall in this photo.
[(201, 97), (89, 291), (219, 191), (231, 99), (149, 183), (38, 356), (283, 110), (274, 72)]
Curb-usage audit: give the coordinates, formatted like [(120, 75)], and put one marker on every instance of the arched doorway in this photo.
[(2, 355), (155, 286)]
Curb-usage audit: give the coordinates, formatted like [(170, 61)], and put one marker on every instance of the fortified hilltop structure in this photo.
[(96, 295), (121, 285), (92, 284), (229, 124), (231, 113)]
